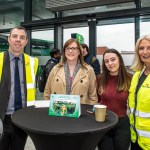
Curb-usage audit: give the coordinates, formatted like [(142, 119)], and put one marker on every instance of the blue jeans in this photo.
[(117, 138)]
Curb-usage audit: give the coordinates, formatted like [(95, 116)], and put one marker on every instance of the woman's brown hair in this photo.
[(124, 78)]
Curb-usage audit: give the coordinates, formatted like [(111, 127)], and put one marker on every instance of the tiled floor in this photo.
[(29, 145)]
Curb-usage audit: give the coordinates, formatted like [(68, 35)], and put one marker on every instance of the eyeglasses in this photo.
[(72, 49)]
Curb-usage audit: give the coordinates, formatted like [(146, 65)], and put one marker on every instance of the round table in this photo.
[(56, 133)]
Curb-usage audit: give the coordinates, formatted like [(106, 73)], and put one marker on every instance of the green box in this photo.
[(65, 105)]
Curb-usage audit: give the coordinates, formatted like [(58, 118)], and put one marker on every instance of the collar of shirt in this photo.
[(12, 56)]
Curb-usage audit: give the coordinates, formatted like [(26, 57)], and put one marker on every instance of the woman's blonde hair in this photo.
[(138, 64)]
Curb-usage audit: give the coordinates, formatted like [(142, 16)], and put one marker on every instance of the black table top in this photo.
[(37, 120)]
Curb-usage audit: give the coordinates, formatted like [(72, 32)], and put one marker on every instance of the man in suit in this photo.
[(14, 138)]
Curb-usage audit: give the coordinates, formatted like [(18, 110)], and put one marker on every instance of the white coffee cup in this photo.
[(100, 112)]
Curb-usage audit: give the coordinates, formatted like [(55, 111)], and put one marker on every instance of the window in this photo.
[(84, 31), (42, 42), (144, 25), (117, 34)]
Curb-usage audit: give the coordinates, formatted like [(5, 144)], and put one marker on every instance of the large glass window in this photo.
[(119, 36), (4, 42), (70, 32), (144, 25), (42, 42)]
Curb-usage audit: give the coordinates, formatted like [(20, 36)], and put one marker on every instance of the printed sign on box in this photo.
[(65, 105)]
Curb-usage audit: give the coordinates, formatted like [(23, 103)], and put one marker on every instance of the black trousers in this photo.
[(117, 138), (135, 146), (13, 137)]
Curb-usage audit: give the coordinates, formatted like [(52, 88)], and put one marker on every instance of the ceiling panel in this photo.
[(60, 5), (98, 9), (145, 3), (11, 13)]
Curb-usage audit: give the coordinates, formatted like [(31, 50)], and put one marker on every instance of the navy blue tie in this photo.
[(17, 88)]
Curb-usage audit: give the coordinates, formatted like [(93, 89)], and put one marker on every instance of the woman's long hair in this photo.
[(124, 78)]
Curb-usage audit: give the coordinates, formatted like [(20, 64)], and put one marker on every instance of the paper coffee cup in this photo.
[(100, 112)]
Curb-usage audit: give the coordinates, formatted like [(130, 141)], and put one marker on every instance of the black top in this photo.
[(95, 64), (37, 120)]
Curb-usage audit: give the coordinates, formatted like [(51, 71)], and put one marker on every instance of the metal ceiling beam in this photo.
[(138, 4), (81, 18), (54, 5), (11, 10)]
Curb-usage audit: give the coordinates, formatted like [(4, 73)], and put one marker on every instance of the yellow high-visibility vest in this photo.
[(140, 117), (1, 64), (31, 65)]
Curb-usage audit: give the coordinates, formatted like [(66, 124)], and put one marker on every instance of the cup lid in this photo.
[(100, 106)]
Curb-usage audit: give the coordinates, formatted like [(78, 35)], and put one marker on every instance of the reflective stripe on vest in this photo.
[(31, 85), (143, 133), (1, 64), (140, 114)]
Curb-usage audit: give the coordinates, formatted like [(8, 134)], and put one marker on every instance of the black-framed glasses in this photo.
[(72, 49)]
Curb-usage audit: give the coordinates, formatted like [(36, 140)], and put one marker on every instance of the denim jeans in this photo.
[(117, 138)]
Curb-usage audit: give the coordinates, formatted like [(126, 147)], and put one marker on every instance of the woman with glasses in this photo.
[(72, 75), (139, 96)]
